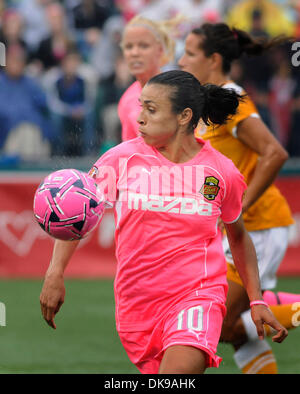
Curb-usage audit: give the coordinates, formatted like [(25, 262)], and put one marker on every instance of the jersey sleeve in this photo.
[(105, 173), (128, 111), (233, 197), (245, 110)]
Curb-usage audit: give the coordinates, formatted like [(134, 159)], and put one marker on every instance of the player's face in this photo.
[(158, 124), (194, 60), (142, 51)]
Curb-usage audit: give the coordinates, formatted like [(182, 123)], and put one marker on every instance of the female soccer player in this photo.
[(245, 139), (147, 46), (168, 190)]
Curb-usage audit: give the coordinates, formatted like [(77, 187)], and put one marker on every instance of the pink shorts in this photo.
[(195, 321)]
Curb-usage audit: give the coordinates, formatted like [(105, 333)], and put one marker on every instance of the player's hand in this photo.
[(263, 315), (52, 297)]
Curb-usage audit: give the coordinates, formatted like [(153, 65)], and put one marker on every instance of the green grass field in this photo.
[(85, 340)]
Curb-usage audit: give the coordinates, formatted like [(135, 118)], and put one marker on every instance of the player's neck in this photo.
[(217, 78), (181, 149), (142, 80)]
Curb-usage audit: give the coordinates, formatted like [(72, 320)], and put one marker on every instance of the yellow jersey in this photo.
[(271, 209)]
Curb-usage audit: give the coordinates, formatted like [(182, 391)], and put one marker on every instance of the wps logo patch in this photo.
[(210, 188), (93, 173)]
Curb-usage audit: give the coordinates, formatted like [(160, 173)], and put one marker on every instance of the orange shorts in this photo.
[(233, 275), (196, 321)]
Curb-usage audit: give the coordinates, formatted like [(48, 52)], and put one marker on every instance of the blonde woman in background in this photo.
[(147, 46)]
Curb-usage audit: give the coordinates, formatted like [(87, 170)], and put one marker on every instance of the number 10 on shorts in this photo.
[(191, 319)]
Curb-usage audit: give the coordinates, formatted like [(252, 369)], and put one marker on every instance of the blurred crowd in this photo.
[(64, 71)]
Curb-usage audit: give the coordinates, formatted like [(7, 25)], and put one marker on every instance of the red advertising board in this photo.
[(290, 188), (25, 249)]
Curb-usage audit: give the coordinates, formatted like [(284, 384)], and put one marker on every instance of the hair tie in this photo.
[(235, 35)]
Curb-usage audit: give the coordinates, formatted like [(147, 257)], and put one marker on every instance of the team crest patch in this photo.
[(93, 172), (210, 188)]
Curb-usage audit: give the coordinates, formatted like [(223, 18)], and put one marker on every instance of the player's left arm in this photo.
[(245, 260), (53, 291), (255, 134)]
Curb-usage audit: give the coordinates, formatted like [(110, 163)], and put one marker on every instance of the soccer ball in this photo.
[(67, 204)]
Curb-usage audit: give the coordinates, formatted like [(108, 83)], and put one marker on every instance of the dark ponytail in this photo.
[(215, 105), (256, 46), (232, 43), (220, 104)]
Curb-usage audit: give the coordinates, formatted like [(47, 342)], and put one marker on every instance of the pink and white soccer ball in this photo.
[(67, 204)]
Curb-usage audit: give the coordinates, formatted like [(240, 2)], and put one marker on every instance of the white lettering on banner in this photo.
[(181, 205), (23, 223)]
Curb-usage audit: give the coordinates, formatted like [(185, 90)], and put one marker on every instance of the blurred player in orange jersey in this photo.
[(147, 46), (245, 139)]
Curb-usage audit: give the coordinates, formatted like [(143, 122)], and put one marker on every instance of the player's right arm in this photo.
[(255, 134), (245, 260), (53, 291)]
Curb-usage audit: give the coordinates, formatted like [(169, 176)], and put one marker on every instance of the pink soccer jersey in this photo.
[(167, 240), (128, 110)]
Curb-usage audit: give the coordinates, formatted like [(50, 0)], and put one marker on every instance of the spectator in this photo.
[(88, 19), (90, 14), (259, 70), (53, 48), (157, 9), (130, 8), (109, 93), (294, 138), (297, 30), (70, 107), (35, 22), (105, 53), (194, 13), (11, 32), (198, 11), (3, 6), (24, 125), (281, 93)]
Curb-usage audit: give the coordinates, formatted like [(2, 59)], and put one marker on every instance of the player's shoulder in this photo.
[(221, 162), (128, 147), (234, 86), (124, 149), (227, 170), (132, 91), (246, 105)]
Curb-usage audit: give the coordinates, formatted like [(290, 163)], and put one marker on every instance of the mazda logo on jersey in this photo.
[(171, 204), (210, 188)]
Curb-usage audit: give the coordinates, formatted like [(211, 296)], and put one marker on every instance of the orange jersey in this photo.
[(271, 209)]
